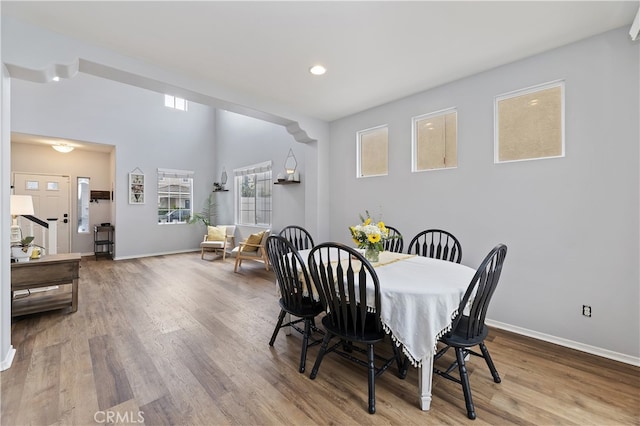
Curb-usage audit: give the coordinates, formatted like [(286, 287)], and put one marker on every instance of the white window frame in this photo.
[(415, 122), (359, 136), (525, 92), (186, 175), (175, 102), (264, 173)]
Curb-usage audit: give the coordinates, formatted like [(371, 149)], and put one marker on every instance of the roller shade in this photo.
[(255, 168)]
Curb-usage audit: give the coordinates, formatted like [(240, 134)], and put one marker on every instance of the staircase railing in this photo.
[(49, 231)]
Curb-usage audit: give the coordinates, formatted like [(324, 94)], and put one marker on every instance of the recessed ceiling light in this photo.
[(56, 78), (317, 70)]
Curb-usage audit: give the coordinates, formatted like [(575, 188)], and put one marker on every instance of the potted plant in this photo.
[(22, 251), (207, 214)]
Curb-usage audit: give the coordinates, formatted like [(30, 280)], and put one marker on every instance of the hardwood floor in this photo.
[(176, 340)]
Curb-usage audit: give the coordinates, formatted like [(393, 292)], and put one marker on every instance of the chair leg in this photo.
[(238, 263), (402, 366), (372, 379), (323, 350), (492, 367), (305, 343), (405, 368), (464, 381), (202, 254), (278, 325)]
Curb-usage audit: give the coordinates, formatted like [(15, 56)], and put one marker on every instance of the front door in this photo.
[(51, 199)]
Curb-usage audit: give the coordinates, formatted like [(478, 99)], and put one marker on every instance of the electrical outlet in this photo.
[(586, 310)]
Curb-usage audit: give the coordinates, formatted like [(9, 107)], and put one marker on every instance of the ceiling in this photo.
[(375, 52)]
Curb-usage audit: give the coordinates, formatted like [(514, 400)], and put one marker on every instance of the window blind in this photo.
[(254, 168), (175, 173)]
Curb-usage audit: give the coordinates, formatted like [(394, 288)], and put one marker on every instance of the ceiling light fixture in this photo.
[(56, 78), (317, 70), (64, 148)]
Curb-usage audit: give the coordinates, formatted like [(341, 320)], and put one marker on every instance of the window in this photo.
[(83, 205), (529, 123), (372, 153), (175, 102), (434, 141), (253, 194), (175, 192)]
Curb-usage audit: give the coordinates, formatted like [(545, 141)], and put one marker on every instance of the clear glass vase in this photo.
[(371, 254)]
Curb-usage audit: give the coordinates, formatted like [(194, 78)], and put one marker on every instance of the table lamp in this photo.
[(20, 205)]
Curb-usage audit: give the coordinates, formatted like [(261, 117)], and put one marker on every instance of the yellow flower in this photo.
[(367, 222), (374, 238), (381, 226)]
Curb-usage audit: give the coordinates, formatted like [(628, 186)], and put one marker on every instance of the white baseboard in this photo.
[(605, 353), (138, 256), (8, 360)]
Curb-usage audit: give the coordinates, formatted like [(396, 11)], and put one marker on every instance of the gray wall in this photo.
[(242, 141), (551, 213), (138, 144), (571, 224), (146, 135)]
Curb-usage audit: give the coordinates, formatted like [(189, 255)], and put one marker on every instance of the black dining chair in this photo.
[(437, 244), (468, 328), (298, 236), (295, 298), (349, 290), (394, 242)]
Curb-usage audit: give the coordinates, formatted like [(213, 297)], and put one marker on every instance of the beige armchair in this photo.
[(213, 242), (253, 248)]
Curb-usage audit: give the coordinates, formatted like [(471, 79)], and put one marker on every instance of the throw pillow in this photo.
[(254, 239), (216, 233)]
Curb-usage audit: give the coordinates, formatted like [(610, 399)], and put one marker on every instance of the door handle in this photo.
[(65, 220)]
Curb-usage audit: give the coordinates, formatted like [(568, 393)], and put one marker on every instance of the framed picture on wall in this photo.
[(136, 187)]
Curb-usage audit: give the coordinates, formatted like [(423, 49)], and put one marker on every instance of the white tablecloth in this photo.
[(419, 297)]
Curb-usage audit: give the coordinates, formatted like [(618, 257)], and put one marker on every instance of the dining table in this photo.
[(420, 297)]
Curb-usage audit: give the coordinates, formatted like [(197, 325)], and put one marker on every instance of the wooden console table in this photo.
[(50, 270)]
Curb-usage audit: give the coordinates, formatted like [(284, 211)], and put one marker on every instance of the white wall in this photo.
[(571, 224)]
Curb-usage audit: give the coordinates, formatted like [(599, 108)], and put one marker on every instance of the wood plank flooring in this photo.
[(176, 340)]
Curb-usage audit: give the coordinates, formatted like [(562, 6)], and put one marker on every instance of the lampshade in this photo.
[(21, 205), (62, 148), (290, 164)]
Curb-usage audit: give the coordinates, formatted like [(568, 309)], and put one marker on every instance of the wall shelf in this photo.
[(286, 182), (220, 190)]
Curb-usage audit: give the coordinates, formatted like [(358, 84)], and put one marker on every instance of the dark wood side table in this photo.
[(50, 270)]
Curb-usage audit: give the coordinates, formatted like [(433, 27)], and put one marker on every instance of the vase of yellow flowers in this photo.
[(370, 236)]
